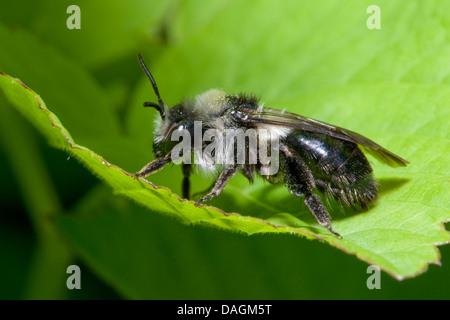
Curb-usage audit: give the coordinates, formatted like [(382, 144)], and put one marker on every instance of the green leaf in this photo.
[(387, 84), (367, 241), (157, 198)]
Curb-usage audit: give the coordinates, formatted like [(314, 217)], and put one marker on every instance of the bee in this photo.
[(313, 157)]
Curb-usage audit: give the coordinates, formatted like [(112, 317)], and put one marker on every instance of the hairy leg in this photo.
[(220, 183), (154, 166), (300, 182), (320, 213)]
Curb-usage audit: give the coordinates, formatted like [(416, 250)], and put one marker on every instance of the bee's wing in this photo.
[(291, 120)]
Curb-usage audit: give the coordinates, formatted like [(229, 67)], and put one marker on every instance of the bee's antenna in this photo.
[(160, 105)]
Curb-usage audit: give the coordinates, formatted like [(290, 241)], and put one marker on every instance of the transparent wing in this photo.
[(294, 121)]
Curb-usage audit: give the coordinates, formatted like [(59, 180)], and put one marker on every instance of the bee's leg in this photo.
[(320, 213), (249, 172), (326, 188), (300, 182), (220, 183), (154, 166), (186, 186), (203, 191)]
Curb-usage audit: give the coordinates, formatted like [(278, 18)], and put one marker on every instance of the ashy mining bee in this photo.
[(313, 157)]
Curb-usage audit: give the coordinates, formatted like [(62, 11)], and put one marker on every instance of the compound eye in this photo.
[(176, 113)]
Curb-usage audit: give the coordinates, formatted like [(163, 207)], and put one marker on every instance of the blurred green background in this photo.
[(55, 213)]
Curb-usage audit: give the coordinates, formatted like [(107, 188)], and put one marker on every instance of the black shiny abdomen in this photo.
[(339, 168)]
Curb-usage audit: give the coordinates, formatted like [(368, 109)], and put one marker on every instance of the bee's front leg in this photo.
[(225, 175), (153, 166)]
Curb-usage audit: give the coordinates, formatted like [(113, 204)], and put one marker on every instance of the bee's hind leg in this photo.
[(300, 182), (320, 213)]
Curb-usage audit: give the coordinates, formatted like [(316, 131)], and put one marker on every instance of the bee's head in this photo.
[(170, 119), (176, 118)]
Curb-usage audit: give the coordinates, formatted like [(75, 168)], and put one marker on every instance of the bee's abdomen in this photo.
[(339, 167)]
